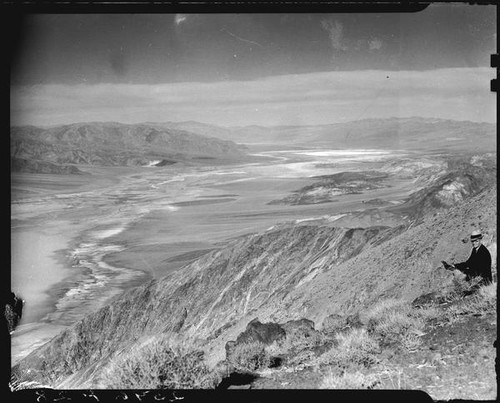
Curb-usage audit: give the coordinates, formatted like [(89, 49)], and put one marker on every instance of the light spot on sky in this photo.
[(179, 18), (375, 44), (334, 29)]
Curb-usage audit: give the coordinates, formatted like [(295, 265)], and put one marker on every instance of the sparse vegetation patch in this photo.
[(354, 348), (396, 321), (250, 356), (160, 363), (347, 380)]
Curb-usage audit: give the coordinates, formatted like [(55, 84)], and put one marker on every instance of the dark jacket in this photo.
[(478, 264)]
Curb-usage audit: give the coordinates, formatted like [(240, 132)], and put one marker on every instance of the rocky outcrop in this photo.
[(299, 327), (330, 187), (256, 332)]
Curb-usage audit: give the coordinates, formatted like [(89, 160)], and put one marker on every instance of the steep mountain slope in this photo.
[(115, 144), (290, 272), (406, 266)]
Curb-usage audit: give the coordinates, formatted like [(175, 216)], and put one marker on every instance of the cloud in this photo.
[(315, 98)]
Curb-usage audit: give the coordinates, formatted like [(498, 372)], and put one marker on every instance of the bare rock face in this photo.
[(299, 327), (270, 332), (427, 299), (256, 331), (334, 322), (178, 326)]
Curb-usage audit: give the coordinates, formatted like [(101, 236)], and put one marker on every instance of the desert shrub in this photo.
[(302, 359), (427, 313), (484, 300), (391, 377), (276, 348), (355, 347), (250, 356), (461, 287), (410, 341), (396, 324), (15, 385), (382, 308), (296, 342), (299, 349), (397, 321), (488, 295), (160, 363), (348, 380)]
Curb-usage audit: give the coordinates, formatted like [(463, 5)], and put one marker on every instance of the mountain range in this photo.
[(414, 133), (116, 144), (110, 143)]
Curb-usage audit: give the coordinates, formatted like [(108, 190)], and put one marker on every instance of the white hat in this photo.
[(476, 234)]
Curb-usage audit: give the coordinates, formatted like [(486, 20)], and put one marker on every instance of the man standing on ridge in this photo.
[(479, 262)]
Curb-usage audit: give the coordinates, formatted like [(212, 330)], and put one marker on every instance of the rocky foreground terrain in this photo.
[(315, 278)]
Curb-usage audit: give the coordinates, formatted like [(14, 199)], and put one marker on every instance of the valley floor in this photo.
[(120, 226)]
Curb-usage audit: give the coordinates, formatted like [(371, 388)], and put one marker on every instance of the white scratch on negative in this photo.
[(240, 38)]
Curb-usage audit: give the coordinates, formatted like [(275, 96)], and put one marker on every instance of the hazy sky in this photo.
[(239, 69)]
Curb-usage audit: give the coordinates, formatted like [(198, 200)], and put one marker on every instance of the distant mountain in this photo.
[(288, 272), (115, 144), (202, 129), (413, 133), (397, 133)]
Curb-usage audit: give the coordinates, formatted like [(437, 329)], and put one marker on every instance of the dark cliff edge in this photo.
[(282, 274)]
